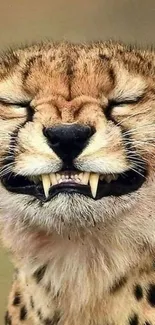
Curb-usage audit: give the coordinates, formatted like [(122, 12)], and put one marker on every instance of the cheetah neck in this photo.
[(82, 296)]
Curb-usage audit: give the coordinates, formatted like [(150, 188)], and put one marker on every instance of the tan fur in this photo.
[(82, 248)]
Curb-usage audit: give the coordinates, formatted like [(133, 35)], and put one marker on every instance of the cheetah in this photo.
[(77, 183)]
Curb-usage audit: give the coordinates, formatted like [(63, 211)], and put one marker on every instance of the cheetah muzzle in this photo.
[(68, 141)]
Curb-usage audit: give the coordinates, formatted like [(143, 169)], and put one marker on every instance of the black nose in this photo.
[(67, 141)]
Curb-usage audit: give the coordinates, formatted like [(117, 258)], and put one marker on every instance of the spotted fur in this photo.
[(80, 261)]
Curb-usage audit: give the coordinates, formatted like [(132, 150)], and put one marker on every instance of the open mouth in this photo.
[(95, 185)]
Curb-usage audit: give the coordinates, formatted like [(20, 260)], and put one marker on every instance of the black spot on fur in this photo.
[(17, 299), (134, 320), (40, 273), (54, 320), (7, 319), (119, 284), (112, 76), (52, 58), (39, 314), (151, 295), (31, 302), (23, 313), (48, 321), (138, 292), (104, 57)]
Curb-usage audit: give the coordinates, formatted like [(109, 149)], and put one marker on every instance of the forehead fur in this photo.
[(73, 70), (139, 61)]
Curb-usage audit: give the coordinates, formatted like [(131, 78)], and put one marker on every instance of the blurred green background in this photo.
[(28, 21)]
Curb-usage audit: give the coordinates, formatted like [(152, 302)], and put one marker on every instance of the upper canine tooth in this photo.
[(93, 181), (46, 183), (53, 179), (85, 178)]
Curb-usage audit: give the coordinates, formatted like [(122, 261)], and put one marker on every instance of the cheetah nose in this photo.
[(67, 141)]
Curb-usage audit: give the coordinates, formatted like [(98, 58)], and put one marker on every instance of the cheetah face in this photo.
[(76, 132)]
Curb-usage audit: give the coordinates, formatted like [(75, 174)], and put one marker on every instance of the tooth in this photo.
[(85, 178), (102, 177), (93, 181), (46, 183), (108, 178), (58, 177), (53, 179), (77, 177), (80, 176), (115, 176)]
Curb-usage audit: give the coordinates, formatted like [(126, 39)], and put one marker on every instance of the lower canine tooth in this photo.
[(93, 181), (46, 183)]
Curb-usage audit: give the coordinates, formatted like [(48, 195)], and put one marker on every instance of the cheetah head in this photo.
[(77, 135)]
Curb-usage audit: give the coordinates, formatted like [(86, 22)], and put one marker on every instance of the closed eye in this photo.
[(116, 103), (6, 102), (112, 102), (18, 105)]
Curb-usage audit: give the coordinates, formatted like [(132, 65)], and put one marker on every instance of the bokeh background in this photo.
[(132, 21)]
